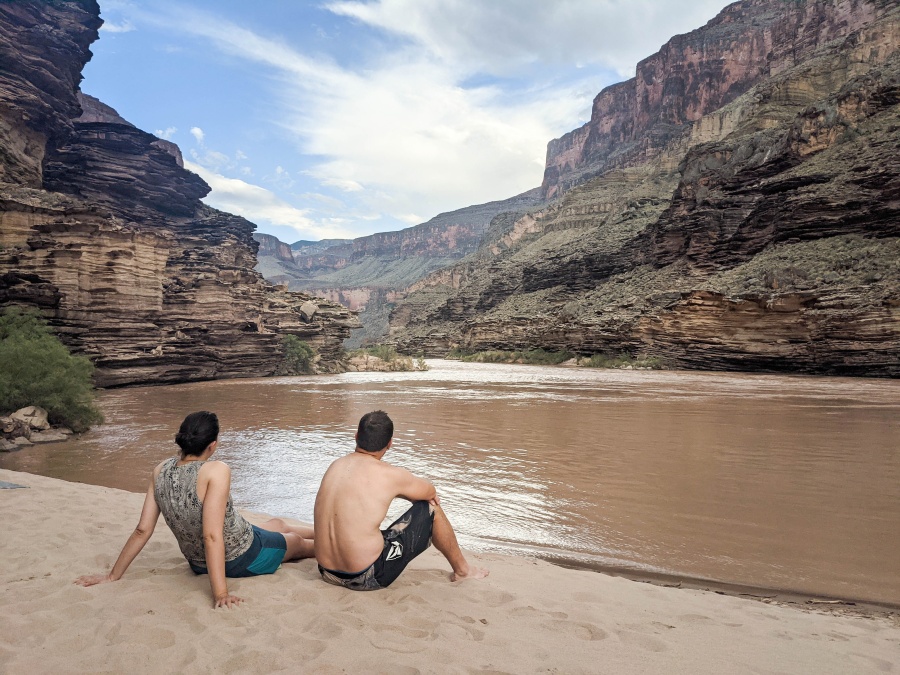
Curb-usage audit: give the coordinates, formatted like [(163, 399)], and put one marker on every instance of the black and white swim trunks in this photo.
[(404, 539)]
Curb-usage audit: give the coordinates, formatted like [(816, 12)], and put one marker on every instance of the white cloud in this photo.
[(166, 134), (502, 36), (405, 135), (124, 27), (441, 119), (257, 204), (280, 178)]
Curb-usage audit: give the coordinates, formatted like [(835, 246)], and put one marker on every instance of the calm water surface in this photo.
[(779, 482)]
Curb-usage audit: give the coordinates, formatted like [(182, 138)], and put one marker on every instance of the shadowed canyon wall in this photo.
[(736, 205), (103, 230)]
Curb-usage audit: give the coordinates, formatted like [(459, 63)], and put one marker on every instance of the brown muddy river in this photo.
[(771, 481)]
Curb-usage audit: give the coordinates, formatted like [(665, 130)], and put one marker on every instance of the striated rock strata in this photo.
[(104, 231), (735, 206), (370, 273)]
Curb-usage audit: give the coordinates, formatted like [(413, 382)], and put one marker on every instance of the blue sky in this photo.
[(343, 118)]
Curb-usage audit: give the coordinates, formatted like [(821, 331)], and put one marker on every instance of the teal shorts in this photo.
[(264, 556)]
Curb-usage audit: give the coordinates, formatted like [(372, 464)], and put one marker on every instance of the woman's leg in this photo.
[(298, 547), (278, 525), (299, 538)]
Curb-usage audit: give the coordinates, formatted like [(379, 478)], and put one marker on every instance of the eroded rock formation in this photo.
[(370, 273), (104, 231), (735, 206)]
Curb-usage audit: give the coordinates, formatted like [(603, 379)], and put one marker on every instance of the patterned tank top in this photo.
[(175, 491)]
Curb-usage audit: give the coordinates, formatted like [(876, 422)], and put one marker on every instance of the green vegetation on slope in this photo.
[(298, 356), (39, 370)]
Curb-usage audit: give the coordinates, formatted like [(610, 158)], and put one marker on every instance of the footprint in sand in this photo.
[(577, 629), (525, 611), (495, 599)]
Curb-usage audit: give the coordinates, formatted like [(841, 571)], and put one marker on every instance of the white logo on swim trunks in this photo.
[(396, 551)]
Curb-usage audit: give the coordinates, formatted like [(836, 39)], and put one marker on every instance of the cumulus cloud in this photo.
[(456, 111), (166, 134), (110, 27), (502, 36), (405, 135), (257, 204)]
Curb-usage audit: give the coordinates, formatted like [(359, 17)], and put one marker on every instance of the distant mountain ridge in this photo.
[(370, 273)]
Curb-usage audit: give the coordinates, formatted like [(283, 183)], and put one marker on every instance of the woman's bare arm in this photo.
[(218, 485), (134, 545)]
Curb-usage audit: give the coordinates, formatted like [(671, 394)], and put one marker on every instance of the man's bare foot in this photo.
[(473, 573)]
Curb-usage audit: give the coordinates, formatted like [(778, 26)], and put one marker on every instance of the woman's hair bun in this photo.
[(197, 431)]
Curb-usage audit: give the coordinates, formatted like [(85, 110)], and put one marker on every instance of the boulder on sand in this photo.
[(34, 416)]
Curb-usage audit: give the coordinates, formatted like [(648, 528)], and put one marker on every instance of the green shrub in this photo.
[(39, 370), (298, 356), (538, 357), (620, 360), (383, 352)]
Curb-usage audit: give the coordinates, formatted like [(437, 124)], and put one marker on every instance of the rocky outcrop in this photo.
[(105, 231), (695, 74), (749, 219), (43, 46), (273, 247)]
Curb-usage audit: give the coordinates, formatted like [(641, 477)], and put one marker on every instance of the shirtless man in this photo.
[(353, 499)]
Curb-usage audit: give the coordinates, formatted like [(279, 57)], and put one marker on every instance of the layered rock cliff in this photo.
[(104, 231), (734, 206), (371, 273)]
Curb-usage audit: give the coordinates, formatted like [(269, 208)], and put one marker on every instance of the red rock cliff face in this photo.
[(693, 75), (104, 231), (762, 234)]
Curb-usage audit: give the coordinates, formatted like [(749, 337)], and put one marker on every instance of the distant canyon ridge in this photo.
[(102, 229), (735, 205)]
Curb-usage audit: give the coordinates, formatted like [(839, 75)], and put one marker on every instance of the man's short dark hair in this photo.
[(375, 431)]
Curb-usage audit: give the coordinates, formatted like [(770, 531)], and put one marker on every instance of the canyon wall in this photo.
[(104, 232), (370, 273), (734, 206), (693, 75)]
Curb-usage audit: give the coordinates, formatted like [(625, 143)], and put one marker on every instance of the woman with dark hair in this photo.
[(193, 493)]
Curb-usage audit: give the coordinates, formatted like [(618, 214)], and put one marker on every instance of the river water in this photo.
[(778, 482)]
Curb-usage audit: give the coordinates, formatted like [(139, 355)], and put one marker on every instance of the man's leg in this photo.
[(444, 539), (299, 538)]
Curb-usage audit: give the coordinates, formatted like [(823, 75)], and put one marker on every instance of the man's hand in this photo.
[(228, 600), (93, 579), (435, 501)]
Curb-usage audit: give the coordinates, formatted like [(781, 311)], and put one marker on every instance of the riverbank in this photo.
[(528, 616)]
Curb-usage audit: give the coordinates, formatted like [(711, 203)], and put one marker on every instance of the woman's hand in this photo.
[(227, 600), (93, 579)]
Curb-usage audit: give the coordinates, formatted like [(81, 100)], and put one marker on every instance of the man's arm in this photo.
[(412, 488), (134, 545), (214, 502)]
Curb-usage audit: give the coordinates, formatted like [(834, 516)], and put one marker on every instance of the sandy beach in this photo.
[(529, 616)]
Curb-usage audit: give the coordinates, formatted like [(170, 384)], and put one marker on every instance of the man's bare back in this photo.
[(353, 499)]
